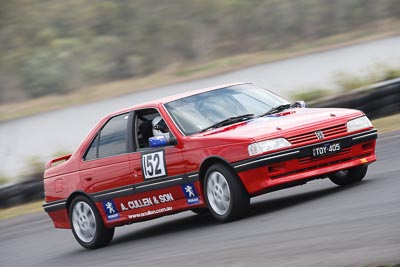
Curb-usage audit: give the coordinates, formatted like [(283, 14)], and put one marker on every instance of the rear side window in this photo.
[(91, 153), (111, 140)]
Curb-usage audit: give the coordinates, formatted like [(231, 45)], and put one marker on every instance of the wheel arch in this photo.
[(214, 160), (74, 195)]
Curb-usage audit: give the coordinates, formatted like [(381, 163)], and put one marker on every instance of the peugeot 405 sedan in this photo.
[(209, 150)]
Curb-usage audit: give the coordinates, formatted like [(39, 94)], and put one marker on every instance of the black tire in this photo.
[(225, 195), (350, 176), (87, 226)]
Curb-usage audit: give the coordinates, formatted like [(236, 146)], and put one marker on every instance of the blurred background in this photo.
[(65, 64)]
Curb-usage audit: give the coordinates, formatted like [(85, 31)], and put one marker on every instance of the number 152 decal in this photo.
[(153, 165)]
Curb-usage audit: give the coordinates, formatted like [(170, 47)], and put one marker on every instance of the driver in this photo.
[(160, 128)]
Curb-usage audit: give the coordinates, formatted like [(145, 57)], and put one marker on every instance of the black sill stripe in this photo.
[(55, 205)]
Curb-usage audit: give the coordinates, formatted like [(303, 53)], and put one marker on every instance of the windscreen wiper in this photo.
[(228, 121), (277, 109)]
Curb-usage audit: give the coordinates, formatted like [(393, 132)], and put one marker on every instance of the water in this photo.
[(62, 130)]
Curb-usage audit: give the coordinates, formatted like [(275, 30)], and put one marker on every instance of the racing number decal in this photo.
[(153, 165)]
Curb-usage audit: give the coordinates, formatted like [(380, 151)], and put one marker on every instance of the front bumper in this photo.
[(266, 171)]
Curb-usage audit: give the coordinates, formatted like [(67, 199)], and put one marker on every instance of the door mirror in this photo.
[(299, 104)]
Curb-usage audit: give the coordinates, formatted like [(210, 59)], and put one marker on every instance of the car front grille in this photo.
[(311, 136)]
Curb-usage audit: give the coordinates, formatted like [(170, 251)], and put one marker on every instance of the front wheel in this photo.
[(87, 225), (350, 176), (225, 195)]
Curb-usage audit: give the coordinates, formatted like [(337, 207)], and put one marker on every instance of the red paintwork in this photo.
[(228, 143)]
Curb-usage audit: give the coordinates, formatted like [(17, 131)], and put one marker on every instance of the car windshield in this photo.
[(200, 112)]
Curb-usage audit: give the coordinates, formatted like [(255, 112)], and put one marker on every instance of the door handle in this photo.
[(88, 178)]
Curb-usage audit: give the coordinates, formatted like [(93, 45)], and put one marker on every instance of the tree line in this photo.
[(49, 46)]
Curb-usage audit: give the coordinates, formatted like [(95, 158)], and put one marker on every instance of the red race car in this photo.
[(207, 151)]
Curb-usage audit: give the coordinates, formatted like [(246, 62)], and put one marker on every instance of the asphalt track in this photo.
[(318, 224)]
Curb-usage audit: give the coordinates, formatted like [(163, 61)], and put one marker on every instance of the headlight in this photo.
[(268, 145), (358, 124)]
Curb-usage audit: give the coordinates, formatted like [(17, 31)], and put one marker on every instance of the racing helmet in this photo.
[(160, 128)]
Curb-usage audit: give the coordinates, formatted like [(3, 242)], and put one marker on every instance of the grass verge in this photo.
[(27, 208), (386, 124), (182, 72)]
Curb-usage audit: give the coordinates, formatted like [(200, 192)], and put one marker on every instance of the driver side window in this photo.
[(149, 123)]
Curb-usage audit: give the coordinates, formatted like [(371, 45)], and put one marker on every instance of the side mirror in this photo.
[(158, 141), (299, 104)]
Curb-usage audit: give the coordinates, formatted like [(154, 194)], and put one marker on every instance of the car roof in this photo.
[(156, 102)]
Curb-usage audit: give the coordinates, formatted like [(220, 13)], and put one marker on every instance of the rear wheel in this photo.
[(225, 195), (350, 176), (87, 225)]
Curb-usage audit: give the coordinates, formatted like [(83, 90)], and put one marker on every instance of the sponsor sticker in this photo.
[(110, 209), (190, 193), (146, 201), (149, 212), (153, 165)]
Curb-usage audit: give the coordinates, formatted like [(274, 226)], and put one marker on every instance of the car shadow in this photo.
[(195, 221), (281, 202), (192, 221)]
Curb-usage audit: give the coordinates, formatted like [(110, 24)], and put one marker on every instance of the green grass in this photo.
[(379, 72), (387, 124), (4, 180), (22, 209), (347, 82)]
